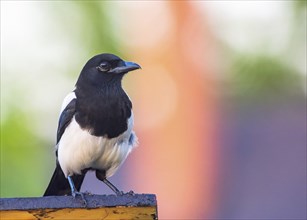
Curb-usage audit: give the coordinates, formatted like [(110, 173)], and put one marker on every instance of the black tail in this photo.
[(59, 184)]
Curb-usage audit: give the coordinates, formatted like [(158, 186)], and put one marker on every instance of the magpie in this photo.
[(95, 129)]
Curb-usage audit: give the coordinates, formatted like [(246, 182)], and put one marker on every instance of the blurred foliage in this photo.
[(300, 6), (88, 24), (263, 77), (22, 157)]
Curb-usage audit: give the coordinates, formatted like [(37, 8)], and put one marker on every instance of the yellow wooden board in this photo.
[(104, 213)]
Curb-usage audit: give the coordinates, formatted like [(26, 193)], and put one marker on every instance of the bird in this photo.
[(95, 128)]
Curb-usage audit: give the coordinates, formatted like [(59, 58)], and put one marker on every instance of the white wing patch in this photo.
[(67, 100), (78, 149)]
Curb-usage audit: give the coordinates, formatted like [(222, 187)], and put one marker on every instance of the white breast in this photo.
[(79, 150)]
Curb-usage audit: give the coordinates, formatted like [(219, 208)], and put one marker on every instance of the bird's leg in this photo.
[(101, 176), (74, 191), (109, 184)]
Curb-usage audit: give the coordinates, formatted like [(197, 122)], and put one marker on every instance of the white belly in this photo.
[(79, 150)]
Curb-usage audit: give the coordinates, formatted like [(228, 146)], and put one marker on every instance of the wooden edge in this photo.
[(127, 213), (93, 201)]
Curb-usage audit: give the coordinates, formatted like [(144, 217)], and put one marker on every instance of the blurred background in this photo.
[(220, 102)]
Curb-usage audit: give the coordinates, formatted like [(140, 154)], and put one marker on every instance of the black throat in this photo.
[(103, 109)]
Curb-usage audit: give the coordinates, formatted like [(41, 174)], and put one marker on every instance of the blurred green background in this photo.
[(259, 66), (23, 147)]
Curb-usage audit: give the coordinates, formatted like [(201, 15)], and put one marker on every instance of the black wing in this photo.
[(65, 118), (58, 184)]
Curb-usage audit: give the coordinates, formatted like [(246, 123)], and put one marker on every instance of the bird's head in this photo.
[(105, 67)]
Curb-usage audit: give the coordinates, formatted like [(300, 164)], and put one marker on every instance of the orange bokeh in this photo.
[(175, 108)]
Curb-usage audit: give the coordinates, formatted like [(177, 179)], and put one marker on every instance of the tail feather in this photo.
[(59, 184)]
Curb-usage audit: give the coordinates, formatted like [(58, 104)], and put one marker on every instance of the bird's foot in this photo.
[(119, 193), (76, 193), (130, 193)]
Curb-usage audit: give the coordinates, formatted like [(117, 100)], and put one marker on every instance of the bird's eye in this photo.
[(104, 67)]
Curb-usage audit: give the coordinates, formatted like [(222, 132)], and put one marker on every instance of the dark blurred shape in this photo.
[(263, 143), (264, 161)]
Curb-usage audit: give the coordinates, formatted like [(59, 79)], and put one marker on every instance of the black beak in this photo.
[(129, 66)]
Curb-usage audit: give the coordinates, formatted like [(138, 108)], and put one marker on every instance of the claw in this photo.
[(130, 193), (119, 193), (74, 191)]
